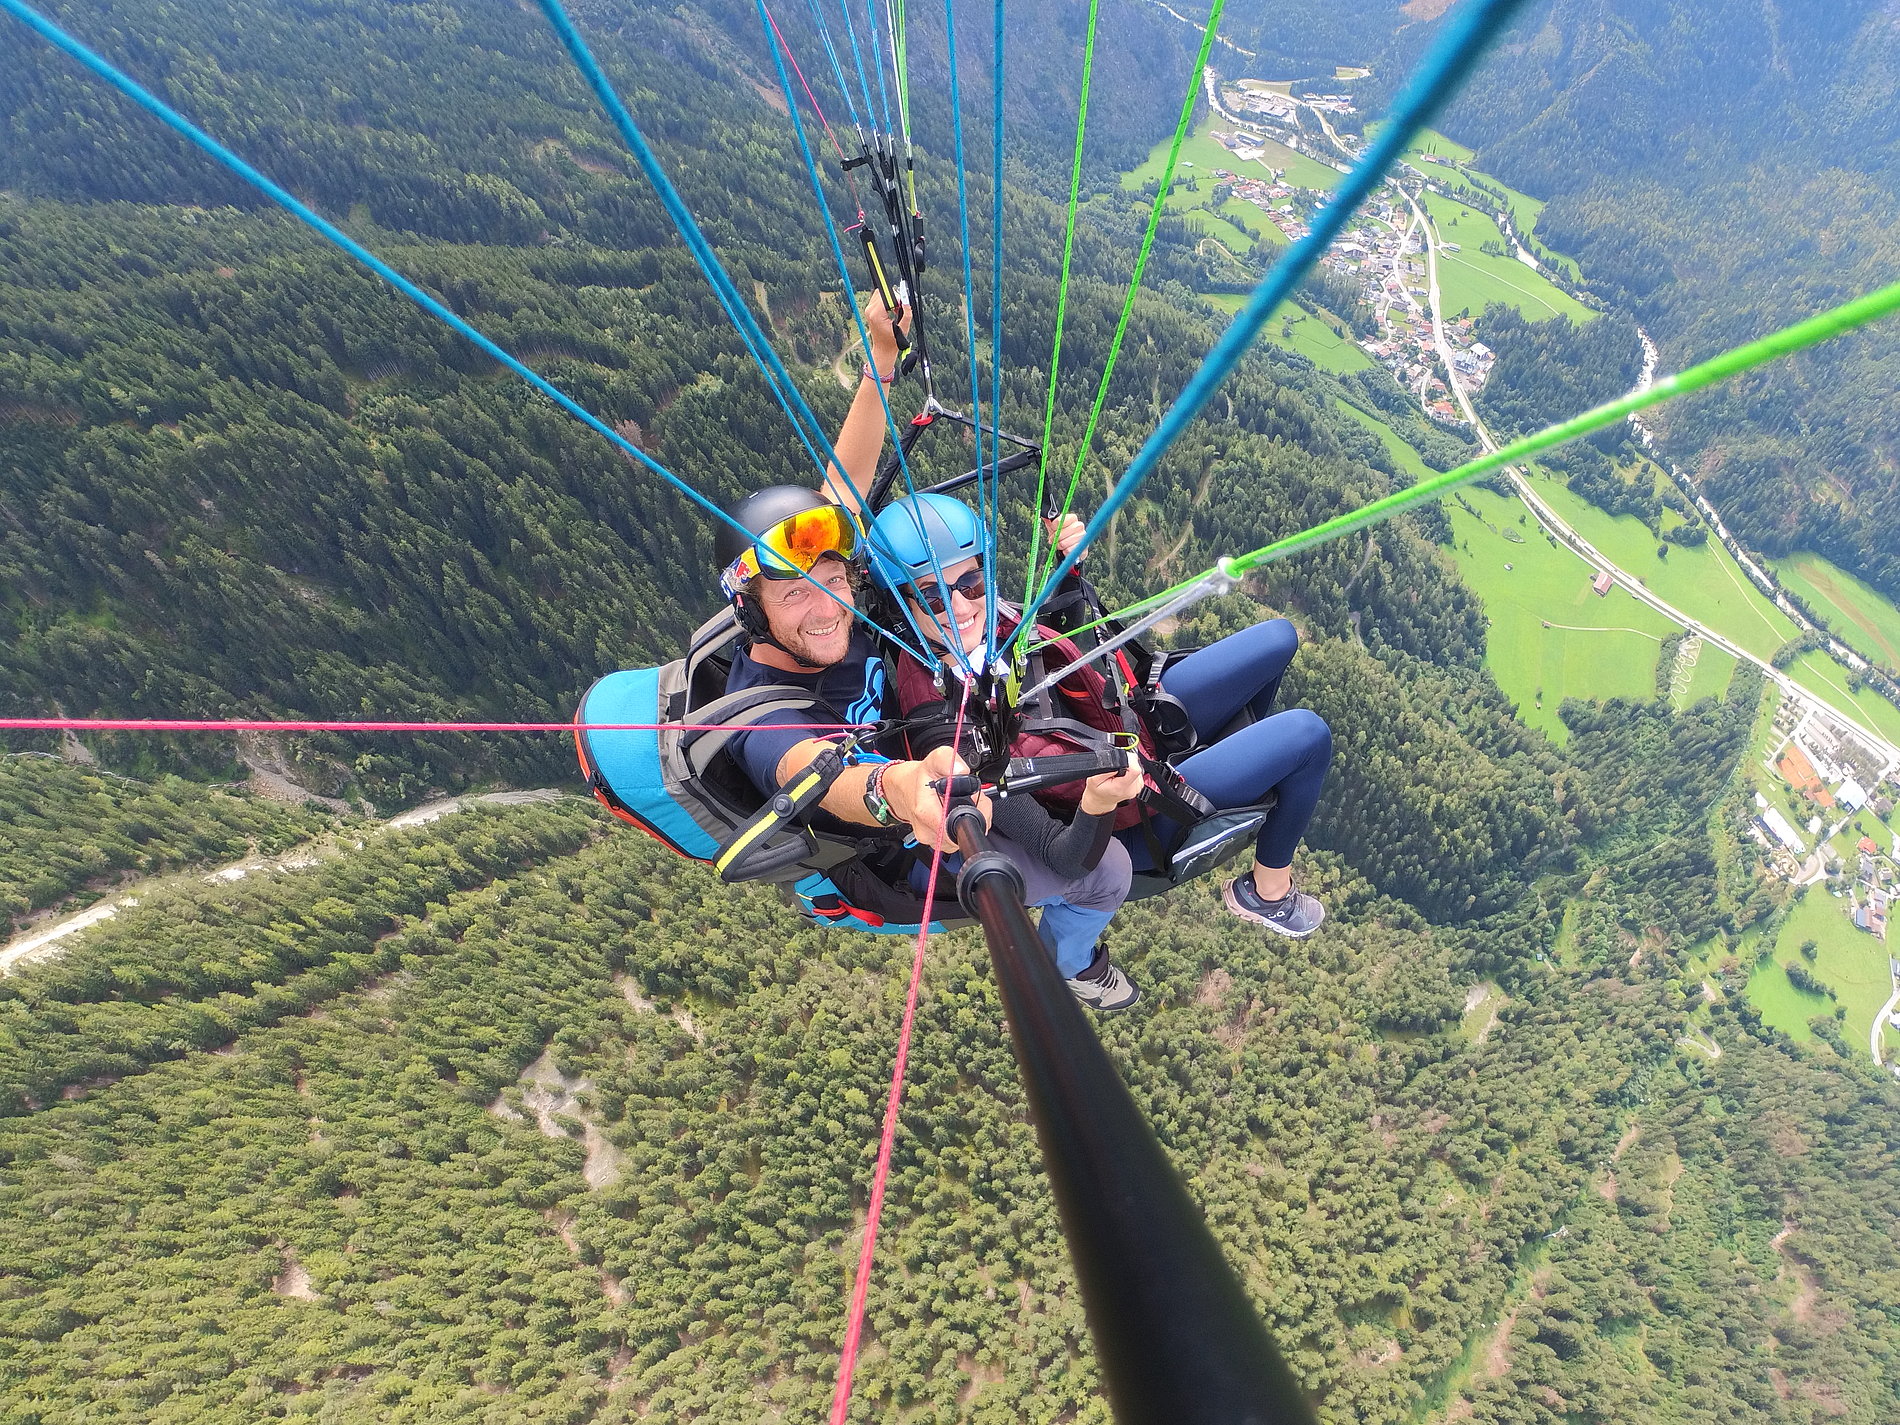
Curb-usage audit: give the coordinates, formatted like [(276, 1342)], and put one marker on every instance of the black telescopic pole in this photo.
[(1176, 1338)]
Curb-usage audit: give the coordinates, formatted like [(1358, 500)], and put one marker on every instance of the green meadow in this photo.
[(1551, 635), (1311, 336), (1200, 156), (1850, 962), (1859, 615), (1702, 581), (1427, 141), (1709, 678), (1403, 455), (1470, 279)]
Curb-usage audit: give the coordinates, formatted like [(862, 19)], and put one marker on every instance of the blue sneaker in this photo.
[(1296, 914)]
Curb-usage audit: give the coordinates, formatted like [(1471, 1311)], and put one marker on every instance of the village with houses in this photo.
[(1835, 824), (1384, 252)]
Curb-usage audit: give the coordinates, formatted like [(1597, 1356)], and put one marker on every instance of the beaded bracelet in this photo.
[(871, 373)]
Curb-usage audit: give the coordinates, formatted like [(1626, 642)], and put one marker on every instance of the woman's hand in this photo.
[(1105, 791), (1066, 534)]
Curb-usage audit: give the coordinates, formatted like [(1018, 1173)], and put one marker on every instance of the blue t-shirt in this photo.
[(851, 690)]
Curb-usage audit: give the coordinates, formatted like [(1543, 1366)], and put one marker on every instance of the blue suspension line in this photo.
[(1439, 74), (869, 121), (797, 410), (969, 333), (996, 282), (985, 487), (172, 119), (831, 53), (877, 63), (945, 624)]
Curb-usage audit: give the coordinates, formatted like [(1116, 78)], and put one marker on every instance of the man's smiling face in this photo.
[(805, 622)]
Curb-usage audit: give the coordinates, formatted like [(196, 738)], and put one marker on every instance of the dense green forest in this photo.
[(513, 1117)]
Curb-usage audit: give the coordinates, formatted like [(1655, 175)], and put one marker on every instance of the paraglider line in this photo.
[(1836, 321), (797, 410), (1062, 299), (163, 724), (1439, 75), (874, 1207), (1141, 264), (944, 624)]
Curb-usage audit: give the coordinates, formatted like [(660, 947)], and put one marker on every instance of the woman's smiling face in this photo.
[(964, 613)]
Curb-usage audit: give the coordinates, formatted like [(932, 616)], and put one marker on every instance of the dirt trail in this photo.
[(43, 940)]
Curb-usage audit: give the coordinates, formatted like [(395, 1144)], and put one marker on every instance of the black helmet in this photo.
[(757, 513)]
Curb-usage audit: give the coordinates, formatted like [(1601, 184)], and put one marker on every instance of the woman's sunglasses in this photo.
[(972, 586)]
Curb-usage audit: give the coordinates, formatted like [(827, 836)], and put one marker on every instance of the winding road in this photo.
[(1799, 695)]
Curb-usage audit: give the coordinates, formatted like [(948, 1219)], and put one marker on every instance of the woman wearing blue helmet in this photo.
[(1283, 756)]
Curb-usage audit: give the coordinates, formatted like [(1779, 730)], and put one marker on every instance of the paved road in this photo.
[(1873, 1037), (1581, 547)]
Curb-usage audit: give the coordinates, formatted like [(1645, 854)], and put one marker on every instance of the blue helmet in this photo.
[(911, 531)]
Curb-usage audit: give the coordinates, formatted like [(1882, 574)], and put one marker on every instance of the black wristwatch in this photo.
[(874, 799)]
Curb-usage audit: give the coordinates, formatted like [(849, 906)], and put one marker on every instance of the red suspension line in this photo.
[(874, 1209)]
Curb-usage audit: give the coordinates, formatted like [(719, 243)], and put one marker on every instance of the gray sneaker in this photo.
[(1297, 915), (1110, 991)]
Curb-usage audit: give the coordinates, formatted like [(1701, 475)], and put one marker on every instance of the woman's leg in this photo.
[(1243, 670), (1287, 754)]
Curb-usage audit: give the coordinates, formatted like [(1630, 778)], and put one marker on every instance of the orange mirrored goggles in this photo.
[(792, 546)]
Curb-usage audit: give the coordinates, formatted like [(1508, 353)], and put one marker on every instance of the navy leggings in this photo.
[(1286, 753)]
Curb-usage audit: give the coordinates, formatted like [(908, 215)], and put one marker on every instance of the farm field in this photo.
[(1859, 614), (1427, 141), (1850, 962), (1403, 455), (1313, 338), (1710, 676), (1703, 581), (1204, 220), (1829, 679), (1309, 335), (1470, 279), (1551, 637), (1200, 155)]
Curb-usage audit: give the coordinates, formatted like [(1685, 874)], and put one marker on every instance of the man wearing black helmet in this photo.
[(793, 590)]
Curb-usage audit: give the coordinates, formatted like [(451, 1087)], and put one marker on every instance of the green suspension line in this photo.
[(1062, 302), (1141, 262), (1836, 321)]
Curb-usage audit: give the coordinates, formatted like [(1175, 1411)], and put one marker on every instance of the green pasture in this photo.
[(1702, 581), (1850, 962), (1205, 155), (1427, 141), (1471, 279), (1826, 677), (1315, 339), (1859, 614), (1407, 459), (1204, 220), (1710, 676), (1551, 636), (1197, 148), (1300, 171), (1243, 213)]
